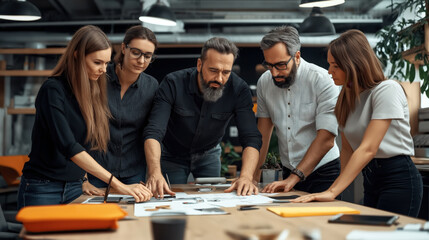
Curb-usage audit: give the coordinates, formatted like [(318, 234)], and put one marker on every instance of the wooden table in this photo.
[(214, 226)]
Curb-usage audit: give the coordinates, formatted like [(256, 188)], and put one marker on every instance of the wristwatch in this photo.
[(298, 172), (84, 179)]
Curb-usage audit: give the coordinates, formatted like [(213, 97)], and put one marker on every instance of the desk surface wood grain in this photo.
[(215, 226)]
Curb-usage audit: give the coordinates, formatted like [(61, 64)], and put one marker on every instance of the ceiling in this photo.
[(197, 18)]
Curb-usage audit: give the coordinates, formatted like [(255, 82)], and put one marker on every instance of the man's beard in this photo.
[(287, 81), (210, 94)]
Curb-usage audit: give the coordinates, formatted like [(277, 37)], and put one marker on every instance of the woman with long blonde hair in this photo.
[(72, 118), (373, 116)]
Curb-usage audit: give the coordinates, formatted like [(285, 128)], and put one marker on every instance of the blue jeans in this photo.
[(319, 180), (206, 164), (46, 192), (141, 176), (393, 184)]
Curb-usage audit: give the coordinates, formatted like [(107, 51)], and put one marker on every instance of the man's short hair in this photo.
[(283, 34), (221, 45)]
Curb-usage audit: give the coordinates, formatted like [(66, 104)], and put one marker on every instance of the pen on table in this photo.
[(168, 181)]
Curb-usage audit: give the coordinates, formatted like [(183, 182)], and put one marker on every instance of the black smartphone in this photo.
[(109, 199), (364, 219), (284, 197)]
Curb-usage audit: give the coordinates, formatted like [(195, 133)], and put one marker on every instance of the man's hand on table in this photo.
[(244, 186), (284, 185), (158, 186)]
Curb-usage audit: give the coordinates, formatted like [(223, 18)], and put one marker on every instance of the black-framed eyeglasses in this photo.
[(137, 53), (108, 189), (278, 66)]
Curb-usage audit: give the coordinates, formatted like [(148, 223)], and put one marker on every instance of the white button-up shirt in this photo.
[(299, 111)]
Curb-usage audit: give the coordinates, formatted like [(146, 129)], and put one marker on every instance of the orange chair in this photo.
[(11, 168)]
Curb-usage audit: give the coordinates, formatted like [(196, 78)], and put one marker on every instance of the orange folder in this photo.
[(71, 217), (311, 211)]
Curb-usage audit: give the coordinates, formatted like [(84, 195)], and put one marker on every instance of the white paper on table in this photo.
[(391, 235), (175, 206), (231, 199), (188, 203)]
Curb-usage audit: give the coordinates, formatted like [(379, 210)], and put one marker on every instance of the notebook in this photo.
[(71, 217), (310, 211)]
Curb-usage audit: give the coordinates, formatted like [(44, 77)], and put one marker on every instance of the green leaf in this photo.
[(412, 73)]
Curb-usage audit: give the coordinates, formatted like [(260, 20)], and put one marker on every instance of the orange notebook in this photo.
[(311, 211), (71, 217)]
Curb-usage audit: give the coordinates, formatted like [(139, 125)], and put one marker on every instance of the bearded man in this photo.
[(190, 113), (298, 99)]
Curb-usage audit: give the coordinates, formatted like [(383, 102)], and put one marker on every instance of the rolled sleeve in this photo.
[(160, 113), (52, 108), (262, 109), (327, 99), (249, 135)]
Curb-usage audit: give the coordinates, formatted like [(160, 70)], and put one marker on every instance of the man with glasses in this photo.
[(192, 109), (298, 99), (130, 97)]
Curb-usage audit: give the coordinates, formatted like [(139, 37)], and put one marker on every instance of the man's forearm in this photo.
[(250, 161), (152, 149), (323, 142)]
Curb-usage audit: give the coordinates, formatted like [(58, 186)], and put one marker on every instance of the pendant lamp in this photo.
[(19, 10), (159, 14)]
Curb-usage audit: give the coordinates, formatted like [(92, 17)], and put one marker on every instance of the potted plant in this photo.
[(229, 156), (402, 44), (272, 167)]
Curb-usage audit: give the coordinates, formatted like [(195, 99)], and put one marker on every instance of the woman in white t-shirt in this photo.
[(373, 116)]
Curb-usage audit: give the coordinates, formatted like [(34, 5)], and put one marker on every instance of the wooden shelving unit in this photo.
[(25, 73), (32, 51), (14, 111), (410, 55), (11, 109)]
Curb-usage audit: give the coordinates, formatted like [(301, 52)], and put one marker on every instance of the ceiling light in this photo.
[(316, 24), (159, 14), (19, 10), (320, 3)]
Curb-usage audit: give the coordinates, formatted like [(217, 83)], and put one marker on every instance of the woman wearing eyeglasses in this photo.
[(72, 118), (130, 94)]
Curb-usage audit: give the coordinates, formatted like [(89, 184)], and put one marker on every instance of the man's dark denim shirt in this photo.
[(185, 127), (125, 156)]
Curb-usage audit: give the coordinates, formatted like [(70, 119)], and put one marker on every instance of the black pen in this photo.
[(168, 181), (108, 189)]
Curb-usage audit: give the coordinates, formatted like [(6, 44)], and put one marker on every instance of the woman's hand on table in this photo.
[(326, 196), (89, 189), (138, 191)]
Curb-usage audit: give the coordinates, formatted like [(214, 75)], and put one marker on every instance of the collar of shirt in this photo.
[(193, 83), (113, 77)]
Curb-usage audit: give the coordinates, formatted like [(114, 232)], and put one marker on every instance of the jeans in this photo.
[(206, 164), (46, 192), (393, 184), (141, 176), (319, 180)]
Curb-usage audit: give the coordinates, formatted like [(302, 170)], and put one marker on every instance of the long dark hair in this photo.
[(354, 56), (91, 95)]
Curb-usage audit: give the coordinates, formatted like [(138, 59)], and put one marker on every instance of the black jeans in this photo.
[(319, 180), (393, 184)]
